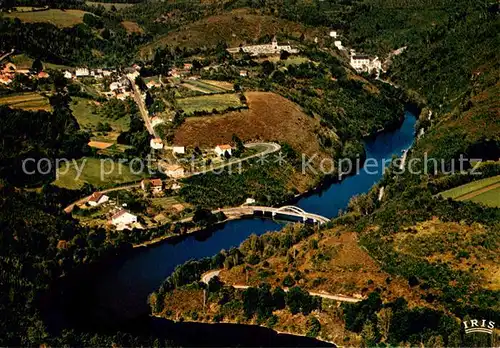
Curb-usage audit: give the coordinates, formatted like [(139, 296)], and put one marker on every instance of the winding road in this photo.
[(205, 278), (142, 107)]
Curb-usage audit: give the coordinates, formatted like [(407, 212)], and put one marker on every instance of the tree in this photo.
[(37, 66), (313, 327), (384, 318), (267, 68), (284, 55)]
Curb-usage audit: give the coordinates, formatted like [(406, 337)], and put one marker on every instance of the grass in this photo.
[(91, 174), (219, 102), (83, 109), (60, 18), (108, 5), (486, 191), (132, 27), (26, 101)]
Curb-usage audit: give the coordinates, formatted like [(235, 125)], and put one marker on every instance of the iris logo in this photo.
[(475, 325)]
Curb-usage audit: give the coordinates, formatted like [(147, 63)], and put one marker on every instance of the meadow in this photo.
[(60, 18), (87, 115), (109, 5), (485, 191), (26, 101), (22, 61), (206, 87), (91, 174), (208, 103)]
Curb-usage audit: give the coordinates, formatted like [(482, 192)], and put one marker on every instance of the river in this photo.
[(116, 297)]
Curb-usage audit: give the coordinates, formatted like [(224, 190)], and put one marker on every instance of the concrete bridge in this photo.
[(288, 210)]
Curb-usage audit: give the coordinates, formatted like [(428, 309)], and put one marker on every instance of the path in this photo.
[(205, 278), (6, 55), (270, 148), (475, 193), (142, 107)]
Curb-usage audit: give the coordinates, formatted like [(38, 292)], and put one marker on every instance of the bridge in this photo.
[(288, 210)]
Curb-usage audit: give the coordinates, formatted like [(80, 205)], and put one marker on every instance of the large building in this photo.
[(272, 48), (361, 62)]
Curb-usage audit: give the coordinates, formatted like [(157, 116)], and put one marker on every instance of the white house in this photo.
[(156, 185), (114, 86), (175, 186), (152, 84), (361, 62), (243, 73), (222, 149), (333, 33), (174, 171), (123, 218), (178, 149), (250, 201), (82, 72), (156, 143), (68, 75), (97, 198), (338, 44)]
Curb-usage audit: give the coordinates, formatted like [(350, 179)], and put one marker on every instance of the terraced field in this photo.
[(485, 191), (206, 87), (26, 101)]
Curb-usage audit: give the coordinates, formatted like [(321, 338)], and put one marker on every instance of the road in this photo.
[(142, 107), (6, 54), (205, 278), (270, 148)]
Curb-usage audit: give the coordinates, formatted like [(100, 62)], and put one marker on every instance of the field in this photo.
[(91, 173), (219, 102), (82, 110), (26, 101), (234, 27), (270, 117), (108, 5), (60, 18), (486, 191), (132, 27), (206, 86)]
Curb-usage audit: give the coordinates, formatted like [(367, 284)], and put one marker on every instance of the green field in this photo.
[(206, 87), (22, 61), (91, 173), (108, 5), (26, 101), (486, 191), (60, 18), (83, 111), (219, 102)]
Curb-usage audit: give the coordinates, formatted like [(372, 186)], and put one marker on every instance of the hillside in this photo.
[(270, 117), (234, 28)]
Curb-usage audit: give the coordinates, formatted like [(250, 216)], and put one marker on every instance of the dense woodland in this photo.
[(451, 64)]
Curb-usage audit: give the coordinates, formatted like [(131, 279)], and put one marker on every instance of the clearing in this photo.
[(22, 61), (26, 101), (219, 102), (132, 27), (91, 173), (60, 18), (486, 191)]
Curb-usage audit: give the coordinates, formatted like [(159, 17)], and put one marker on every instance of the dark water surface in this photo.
[(115, 298)]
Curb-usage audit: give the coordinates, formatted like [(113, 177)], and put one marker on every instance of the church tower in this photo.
[(274, 43)]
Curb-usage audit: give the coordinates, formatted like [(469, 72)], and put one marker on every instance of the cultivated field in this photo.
[(486, 191), (60, 18), (219, 102), (26, 101), (91, 174)]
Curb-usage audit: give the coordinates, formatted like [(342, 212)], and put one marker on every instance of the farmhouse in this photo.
[(97, 198), (243, 73), (174, 171), (338, 44), (178, 149), (43, 75), (221, 150), (156, 143), (152, 84), (333, 33), (272, 48), (123, 218), (68, 75), (156, 185)]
